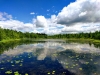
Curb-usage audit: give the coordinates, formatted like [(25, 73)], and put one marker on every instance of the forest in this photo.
[(6, 34)]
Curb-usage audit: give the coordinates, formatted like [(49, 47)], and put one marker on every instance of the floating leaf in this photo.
[(67, 63), (87, 62), (66, 66), (80, 68), (53, 71), (17, 61), (20, 64), (48, 73), (74, 65), (95, 62), (12, 65), (26, 73), (16, 73), (8, 72)]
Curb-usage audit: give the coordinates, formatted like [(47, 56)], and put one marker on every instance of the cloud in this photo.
[(47, 25), (40, 21), (79, 16), (32, 13), (81, 11), (17, 25), (82, 14), (90, 27), (7, 21), (4, 16)]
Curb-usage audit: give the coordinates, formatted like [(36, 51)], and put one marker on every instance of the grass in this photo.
[(96, 41), (83, 40), (9, 40)]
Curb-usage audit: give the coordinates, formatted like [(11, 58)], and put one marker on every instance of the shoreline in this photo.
[(64, 39), (9, 40), (85, 40)]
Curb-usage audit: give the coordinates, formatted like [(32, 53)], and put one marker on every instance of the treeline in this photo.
[(6, 34), (95, 35)]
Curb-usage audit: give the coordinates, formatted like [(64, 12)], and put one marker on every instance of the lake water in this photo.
[(49, 57)]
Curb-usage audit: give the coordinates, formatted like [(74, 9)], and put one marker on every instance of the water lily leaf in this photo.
[(16, 72), (12, 65), (26, 73), (86, 62), (17, 61), (48, 73), (8, 72), (80, 68), (66, 66), (53, 71), (21, 64)]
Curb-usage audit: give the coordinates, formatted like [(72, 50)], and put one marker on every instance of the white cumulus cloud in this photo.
[(81, 11), (32, 13), (17, 25), (79, 16), (40, 21)]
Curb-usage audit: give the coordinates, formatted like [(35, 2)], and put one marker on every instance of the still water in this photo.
[(50, 57)]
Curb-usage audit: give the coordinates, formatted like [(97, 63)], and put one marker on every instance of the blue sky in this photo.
[(50, 16), (21, 9)]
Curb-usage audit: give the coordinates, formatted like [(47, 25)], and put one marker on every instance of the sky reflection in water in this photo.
[(51, 57)]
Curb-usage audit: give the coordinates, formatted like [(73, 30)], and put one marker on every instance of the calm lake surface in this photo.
[(49, 57)]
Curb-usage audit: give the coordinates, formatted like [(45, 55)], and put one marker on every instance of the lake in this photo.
[(49, 57)]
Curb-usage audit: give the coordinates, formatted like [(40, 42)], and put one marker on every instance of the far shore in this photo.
[(62, 39)]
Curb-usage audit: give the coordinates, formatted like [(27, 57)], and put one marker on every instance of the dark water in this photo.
[(49, 57)]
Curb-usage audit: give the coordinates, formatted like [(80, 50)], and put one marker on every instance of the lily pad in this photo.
[(48, 73), (80, 68), (26, 73), (8, 72)]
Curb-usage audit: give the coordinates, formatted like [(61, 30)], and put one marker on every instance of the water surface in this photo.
[(54, 57)]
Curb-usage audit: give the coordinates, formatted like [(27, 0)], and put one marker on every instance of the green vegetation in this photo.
[(6, 34), (8, 72), (12, 35), (95, 35)]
